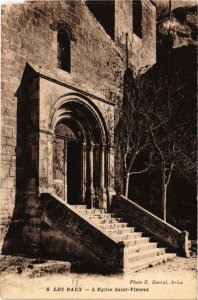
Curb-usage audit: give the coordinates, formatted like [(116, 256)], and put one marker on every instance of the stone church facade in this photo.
[(63, 64), (76, 100)]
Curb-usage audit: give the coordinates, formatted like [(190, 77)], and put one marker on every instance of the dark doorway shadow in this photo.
[(73, 172)]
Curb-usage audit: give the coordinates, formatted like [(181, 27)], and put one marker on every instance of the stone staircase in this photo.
[(139, 249)]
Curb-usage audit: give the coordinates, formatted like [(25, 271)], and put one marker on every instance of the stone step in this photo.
[(145, 254), (139, 251), (115, 225), (97, 216), (140, 247), (139, 265), (92, 211), (122, 230), (79, 207), (106, 221), (126, 237), (136, 241)]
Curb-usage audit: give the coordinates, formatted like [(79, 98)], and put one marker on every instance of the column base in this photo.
[(90, 196), (103, 199), (111, 194)]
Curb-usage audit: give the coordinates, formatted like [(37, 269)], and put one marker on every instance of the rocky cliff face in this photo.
[(180, 31)]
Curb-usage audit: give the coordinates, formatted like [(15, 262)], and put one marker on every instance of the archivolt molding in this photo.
[(62, 114), (62, 109)]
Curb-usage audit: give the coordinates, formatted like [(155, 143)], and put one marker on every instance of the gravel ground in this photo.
[(175, 279)]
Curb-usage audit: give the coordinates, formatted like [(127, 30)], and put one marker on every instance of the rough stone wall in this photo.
[(123, 22), (142, 55), (144, 50), (27, 36)]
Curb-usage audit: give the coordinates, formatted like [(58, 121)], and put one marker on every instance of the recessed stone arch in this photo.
[(83, 105), (87, 147)]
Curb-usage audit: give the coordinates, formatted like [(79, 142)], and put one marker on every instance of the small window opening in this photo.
[(63, 51), (137, 17)]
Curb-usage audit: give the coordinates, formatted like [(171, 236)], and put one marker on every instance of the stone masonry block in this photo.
[(5, 172), (8, 150), (11, 141), (6, 131), (12, 171), (10, 121), (3, 141)]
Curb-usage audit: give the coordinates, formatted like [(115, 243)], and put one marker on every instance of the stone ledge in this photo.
[(32, 267), (48, 267)]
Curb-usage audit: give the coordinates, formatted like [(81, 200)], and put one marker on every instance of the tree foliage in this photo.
[(132, 129), (157, 128)]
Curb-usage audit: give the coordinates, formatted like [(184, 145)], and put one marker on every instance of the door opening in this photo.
[(74, 172)]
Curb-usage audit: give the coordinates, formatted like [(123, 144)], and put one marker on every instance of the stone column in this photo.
[(50, 162), (103, 193), (84, 172), (65, 170), (111, 182), (91, 192), (97, 174)]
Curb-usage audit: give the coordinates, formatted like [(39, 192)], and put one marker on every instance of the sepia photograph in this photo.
[(98, 155)]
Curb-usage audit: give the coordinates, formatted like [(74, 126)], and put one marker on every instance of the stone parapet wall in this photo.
[(62, 217), (160, 229)]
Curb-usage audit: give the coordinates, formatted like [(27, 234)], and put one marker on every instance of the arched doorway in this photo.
[(80, 155), (67, 161)]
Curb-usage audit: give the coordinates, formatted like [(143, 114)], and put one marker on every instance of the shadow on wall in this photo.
[(181, 200), (13, 241)]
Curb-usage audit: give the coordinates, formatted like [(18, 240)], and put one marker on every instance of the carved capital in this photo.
[(91, 145)]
